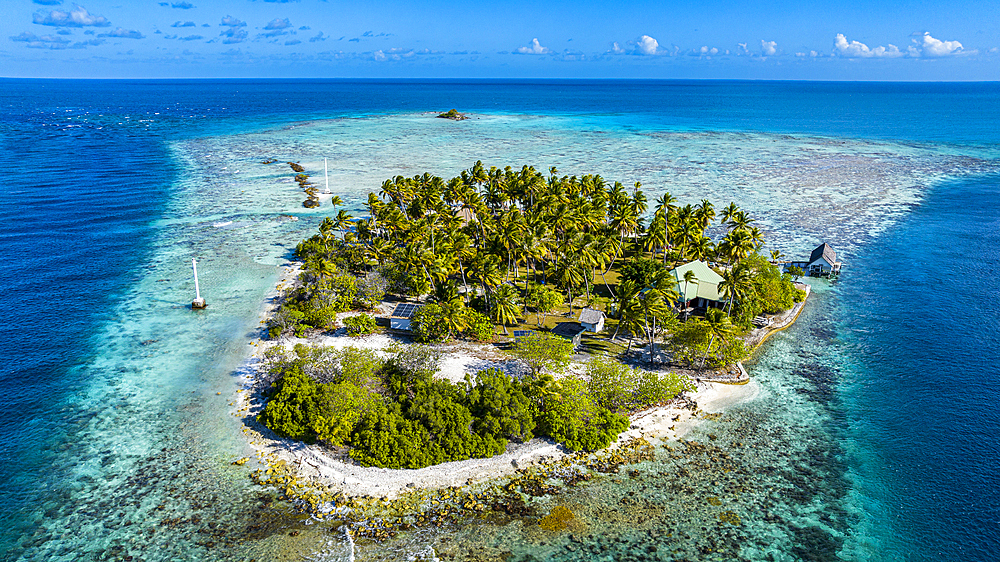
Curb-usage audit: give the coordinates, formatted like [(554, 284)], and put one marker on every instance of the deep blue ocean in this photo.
[(881, 402)]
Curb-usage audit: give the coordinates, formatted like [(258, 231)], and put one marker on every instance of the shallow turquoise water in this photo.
[(868, 438)]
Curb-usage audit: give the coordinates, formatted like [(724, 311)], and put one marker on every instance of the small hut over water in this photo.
[(822, 262)]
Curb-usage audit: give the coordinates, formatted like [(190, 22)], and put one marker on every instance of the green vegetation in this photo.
[(571, 416), (452, 114), (393, 413), (543, 351), (620, 388), (360, 325)]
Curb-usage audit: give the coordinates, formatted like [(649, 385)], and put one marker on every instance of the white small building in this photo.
[(592, 320), (822, 263)]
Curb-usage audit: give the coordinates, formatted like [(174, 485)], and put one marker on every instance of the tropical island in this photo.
[(454, 115), (502, 261)]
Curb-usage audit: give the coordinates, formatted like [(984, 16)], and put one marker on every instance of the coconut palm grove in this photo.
[(496, 251)]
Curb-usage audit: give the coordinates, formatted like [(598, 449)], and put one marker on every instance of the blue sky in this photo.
[(845, 40)]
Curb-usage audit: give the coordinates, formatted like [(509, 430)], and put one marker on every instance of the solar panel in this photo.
[(521, 333), (405, 310)]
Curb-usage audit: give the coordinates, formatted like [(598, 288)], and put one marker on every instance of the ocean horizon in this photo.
[(871, 433)]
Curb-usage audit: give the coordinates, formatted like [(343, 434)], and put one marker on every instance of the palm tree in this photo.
[(505, 307), (688, 277), (728, 212), (720, 326), (705, 213), (625, 295), (342, 221), (736, 284), (653, 307)]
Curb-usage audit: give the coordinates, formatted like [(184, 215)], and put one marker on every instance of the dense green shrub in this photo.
[(428, 324), (573, 418), (437, 407), (643, 272), (360, 325), (621, 388), (542, 350), (341, 405), (386, 438), (499, 406), (371, 290), (293, 407), (690, 340), (478, 326)]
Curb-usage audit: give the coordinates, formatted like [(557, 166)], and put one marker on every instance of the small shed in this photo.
[(573, 331), (592, 320)]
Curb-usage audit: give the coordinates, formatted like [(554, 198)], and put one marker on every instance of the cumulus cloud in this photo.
[(278, 23), (319, 37), (768, 48), (53, 42), (230, 21), (44, 42), (934, 48), (646, 45), (77, 17), (856, 49), (234, 35), (924, 45), (183, 24), (706, 51), (123, 34), (182, 5), (535, 48)]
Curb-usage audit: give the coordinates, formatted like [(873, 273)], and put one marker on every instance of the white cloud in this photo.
[(43, 42), (931, 47), (182, 24), (123, 34), (534, 49), (230, 21), (77, 17), (742, 49), (646, 45), (857, 49), (768, 48), (278, 23)]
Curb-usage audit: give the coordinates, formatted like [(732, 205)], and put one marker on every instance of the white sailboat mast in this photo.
[(326, 172)]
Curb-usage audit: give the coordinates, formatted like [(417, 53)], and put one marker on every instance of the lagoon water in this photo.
[(870, 430)]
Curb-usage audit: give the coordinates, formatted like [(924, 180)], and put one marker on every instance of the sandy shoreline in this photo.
[(338, 471)]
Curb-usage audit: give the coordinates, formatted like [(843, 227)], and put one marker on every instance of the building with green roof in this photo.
[(703, 288)]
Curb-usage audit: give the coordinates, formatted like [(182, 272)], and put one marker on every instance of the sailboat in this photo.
[(326, 172)]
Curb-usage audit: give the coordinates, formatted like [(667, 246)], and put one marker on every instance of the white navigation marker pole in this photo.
[(198, 301), (326, 172)]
